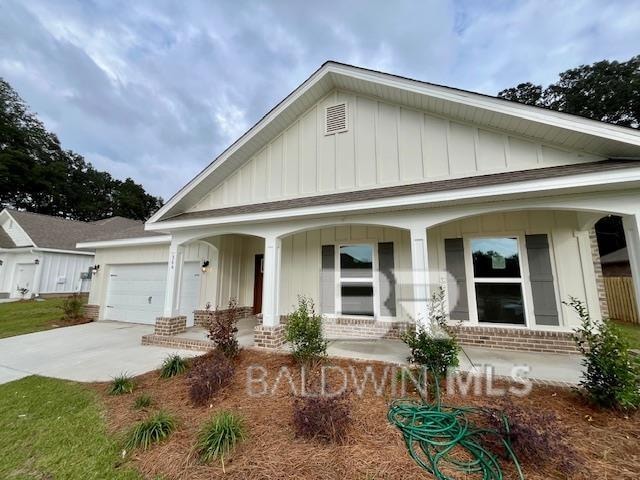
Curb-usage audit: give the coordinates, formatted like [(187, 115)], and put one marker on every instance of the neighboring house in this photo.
[(39, 257), (616, 264), (365, 191)]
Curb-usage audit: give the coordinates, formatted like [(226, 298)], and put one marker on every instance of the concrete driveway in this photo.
[(90, 352)]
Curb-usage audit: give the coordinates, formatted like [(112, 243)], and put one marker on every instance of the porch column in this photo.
[(631, 224), (171, 321), (419, 273), (271, 280), (270, 334)]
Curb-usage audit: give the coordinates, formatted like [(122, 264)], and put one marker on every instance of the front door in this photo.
[(257, 283)]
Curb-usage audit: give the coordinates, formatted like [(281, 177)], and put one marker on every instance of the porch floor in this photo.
[(548, 367)]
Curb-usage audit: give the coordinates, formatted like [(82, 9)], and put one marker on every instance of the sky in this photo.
[(154, 90)]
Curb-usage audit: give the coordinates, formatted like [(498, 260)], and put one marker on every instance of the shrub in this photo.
[(72, 308), (219, 436), (172, 365), (121, 384), (209, 374), (142, 401), (533, 434), (150, 431), (611, 378), (322, 417), (223, 329), (304, 332), (433, 345)]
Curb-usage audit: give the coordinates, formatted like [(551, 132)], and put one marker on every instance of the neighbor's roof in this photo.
[(561, 129), (415, 188), (619, 256), (46, 231)]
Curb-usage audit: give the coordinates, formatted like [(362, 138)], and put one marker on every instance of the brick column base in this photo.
[(171, 325), (268, 337), (92, 312), (201, 317)]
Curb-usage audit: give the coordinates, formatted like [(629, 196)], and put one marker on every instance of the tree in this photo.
[(607, 90), (38, 175)]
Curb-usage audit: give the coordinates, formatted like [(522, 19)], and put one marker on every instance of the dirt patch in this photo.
[(607, 443), (69, 322)]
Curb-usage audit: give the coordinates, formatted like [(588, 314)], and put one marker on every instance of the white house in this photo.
[(366, 191), (39, 257)]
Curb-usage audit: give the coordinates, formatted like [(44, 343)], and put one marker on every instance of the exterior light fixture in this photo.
[(1, 262), (205, 264), (95, 269), (37, 261)]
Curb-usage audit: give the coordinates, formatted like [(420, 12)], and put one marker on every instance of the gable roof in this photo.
[(617, 256), (59, 233), (561, 129)]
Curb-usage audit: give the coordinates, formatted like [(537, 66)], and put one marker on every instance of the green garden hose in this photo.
[(442, 440)]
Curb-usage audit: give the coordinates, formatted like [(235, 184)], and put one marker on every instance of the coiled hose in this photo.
[(442, 440)]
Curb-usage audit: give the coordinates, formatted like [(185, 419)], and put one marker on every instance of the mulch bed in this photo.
[(607, 443)]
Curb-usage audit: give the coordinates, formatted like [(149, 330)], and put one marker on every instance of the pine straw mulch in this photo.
[(607, 443)]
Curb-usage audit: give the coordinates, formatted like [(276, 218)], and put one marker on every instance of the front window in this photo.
[(356, 279), (498, 280)]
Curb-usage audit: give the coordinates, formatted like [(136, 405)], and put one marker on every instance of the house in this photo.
[(39, 257), (616, 263), (366, 192)]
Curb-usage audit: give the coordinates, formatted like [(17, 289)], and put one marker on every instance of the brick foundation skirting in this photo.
[(173, 341), (268, 337), (92, 312), (201, 317), (171, 325), (517, 339), (363, 328)]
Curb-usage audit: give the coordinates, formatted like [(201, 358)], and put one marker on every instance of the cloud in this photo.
[(155, 89)]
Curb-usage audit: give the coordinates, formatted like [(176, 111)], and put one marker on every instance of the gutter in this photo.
[(126, 242)]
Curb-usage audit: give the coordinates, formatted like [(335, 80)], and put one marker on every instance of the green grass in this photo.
[(121, 384), (55, 429), (632, 332), (18, 318)]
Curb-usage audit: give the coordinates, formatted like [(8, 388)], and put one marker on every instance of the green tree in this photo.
[(607, 90), (38, 175)]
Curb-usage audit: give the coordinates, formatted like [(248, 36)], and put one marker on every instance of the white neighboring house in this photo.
[(39, 257), (364, 191)]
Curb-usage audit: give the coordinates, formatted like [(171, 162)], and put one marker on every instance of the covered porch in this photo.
[(536, 252)]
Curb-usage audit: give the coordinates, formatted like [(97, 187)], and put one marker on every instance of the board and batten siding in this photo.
[(61, 272), (385, 145)]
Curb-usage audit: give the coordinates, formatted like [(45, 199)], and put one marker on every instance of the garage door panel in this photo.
[(135, 293)]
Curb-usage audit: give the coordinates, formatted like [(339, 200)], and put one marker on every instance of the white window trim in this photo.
[(527, 295), (375, 279)]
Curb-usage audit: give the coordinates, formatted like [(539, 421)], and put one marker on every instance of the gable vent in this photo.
[(335, 119)]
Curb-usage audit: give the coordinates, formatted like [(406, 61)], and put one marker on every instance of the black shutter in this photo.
[(387, 279), (541, 278), (327, 280), (454, 257)]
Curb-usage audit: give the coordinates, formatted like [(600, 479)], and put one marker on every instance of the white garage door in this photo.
[(136, 292)]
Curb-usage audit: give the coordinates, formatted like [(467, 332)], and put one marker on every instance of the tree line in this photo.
[(38, 175)]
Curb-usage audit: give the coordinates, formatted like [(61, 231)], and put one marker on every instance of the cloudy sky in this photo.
[(155, 89)]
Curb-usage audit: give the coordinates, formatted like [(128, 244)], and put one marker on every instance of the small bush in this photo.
[(223, 327), (121, 384), (220, 435), (142, 401), (173, 365), (150, 431), (612, 376), (533, 434), (322, 417), (72, 308), (209, 374), (433, 345), (304, 332)]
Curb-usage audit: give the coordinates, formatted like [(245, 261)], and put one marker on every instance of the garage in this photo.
[(135, 293)]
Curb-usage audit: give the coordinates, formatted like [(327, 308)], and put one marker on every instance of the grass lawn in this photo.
[(632, 331), (55, 429), (18, 318)]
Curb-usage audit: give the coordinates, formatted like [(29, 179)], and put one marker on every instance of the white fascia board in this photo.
[(527, 112), (57, 250), (126, 242), (423, 199)]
